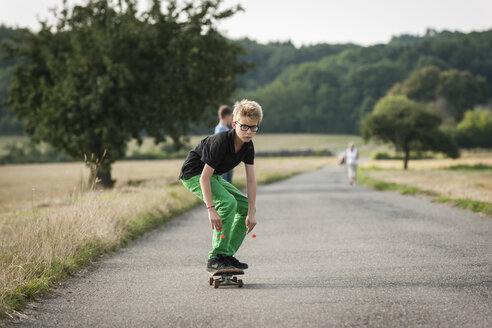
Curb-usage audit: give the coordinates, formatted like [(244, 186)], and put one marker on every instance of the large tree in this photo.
[(105, 74), (408, 125)]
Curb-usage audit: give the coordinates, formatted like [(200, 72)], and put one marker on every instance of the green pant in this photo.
[(232, 207)]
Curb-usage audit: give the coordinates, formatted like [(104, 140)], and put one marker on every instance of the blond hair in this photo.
[(247, 108)]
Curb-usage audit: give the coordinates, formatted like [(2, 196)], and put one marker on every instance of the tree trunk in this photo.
[(100, 177), (407, 157)]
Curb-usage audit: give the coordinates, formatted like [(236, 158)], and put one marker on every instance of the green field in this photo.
[(263, 142), (149, 150), (276, 142), (269, 142)]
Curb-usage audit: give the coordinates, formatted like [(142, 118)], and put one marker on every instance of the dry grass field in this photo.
[(28, 186), (47, 219), (432, 175)]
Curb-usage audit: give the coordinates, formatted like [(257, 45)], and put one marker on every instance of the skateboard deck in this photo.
[(226, 278)]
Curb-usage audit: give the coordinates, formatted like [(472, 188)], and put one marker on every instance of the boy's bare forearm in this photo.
[(205, 185), (251, 190), (206, 191)]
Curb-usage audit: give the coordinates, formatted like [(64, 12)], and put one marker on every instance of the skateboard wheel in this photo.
[(210, 281), (240, 283), (216, 284), (234, 279)]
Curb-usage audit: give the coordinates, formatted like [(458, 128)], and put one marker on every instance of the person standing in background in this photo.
[(352, 160), (225, 119)]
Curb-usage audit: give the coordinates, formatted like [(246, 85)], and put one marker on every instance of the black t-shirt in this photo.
[(218, 152)]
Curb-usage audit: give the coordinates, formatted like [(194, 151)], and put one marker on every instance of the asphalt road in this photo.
[(326, 255)]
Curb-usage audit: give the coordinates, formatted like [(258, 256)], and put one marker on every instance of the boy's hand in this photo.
[(215, 219), (250, 223)]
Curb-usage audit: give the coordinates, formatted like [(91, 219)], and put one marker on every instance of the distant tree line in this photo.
[(331, 88), (8, 124), (323, 88), (448, 93)]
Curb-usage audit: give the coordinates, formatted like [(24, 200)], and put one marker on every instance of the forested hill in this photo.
[(7, 123), (329, 88), (273, 58)]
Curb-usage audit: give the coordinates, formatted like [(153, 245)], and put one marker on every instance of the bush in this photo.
[(413, 155), (381, 155), (21, 153), (475, 130)]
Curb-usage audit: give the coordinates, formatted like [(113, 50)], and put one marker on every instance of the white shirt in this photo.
[(351, 156)]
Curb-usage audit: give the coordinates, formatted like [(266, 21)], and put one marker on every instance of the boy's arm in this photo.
[(251, 190), (213, 216)]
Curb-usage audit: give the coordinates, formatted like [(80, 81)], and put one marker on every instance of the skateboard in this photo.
[(226, 278)]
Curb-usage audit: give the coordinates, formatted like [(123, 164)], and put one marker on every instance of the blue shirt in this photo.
[(220, 128)]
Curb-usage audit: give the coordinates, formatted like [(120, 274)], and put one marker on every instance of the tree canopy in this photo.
[(329, 88), (450, 93), (362, 75), (105, 74)]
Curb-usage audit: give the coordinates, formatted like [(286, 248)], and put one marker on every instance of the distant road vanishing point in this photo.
[(325, 255)]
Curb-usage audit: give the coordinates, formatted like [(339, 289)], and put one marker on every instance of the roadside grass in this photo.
[(438, 163), (42, 246), (474, 206), (469, 204), (383, 185), (459, 181), (474, 167), (39, 250)]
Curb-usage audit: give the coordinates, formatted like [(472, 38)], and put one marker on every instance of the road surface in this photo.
[(326, 255)]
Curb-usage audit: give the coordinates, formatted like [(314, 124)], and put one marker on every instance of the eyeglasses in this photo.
[(245, 127)]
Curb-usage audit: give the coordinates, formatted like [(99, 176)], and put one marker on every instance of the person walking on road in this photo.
[(231, 214), (225, 119), (352, 160)]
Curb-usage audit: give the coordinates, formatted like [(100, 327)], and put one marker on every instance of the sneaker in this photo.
[(218, 263), (231, 260)]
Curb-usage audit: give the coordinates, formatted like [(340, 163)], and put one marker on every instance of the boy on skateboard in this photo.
[(231, 214)]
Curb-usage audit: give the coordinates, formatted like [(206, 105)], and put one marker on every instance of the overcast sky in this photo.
[(312, 21)]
